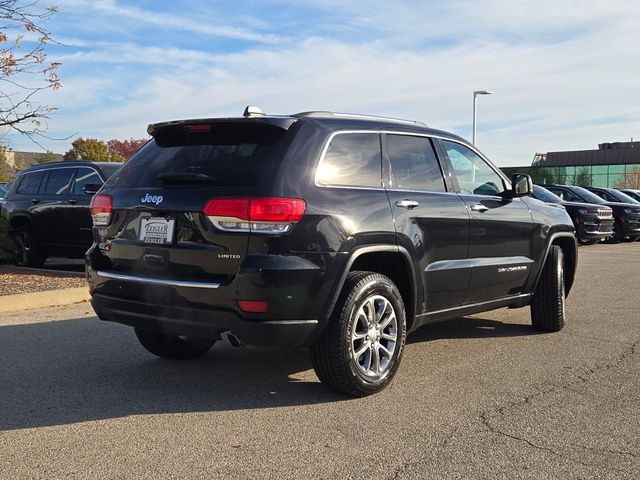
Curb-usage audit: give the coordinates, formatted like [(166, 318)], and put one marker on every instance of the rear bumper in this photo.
[(206, 322)]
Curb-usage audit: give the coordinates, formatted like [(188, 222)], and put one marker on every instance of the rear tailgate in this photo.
[(157, 228)]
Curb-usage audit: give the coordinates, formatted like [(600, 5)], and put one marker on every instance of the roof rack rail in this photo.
[(325, 114)]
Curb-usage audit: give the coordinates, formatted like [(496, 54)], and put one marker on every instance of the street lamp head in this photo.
[(483, 92)]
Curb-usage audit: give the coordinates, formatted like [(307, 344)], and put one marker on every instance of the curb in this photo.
[(47, 298)]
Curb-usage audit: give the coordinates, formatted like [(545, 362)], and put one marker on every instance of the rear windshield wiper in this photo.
[(186, 177)]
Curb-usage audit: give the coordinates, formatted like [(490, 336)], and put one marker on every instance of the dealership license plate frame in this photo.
[(157, 230)]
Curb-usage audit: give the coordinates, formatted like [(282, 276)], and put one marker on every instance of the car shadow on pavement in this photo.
[(79, 370), (470, 327)]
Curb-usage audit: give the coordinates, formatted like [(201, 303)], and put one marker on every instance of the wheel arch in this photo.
[(392, 261), (19, 221), (568, 243)]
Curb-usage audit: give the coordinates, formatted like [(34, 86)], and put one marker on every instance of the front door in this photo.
[(501, 229), (431, 222)]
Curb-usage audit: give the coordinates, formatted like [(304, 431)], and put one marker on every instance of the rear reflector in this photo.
[(101, 207), (253, 306), (266, 215)]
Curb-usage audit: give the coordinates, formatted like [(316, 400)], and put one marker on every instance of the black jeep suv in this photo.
[(626, 215), (338, 232), (593, 222), (47, 209)]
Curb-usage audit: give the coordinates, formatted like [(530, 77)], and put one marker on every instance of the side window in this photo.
[(414, 165), (59, 181), (85, 176), (30, 183), (606, 196), (352, 159), (566, 195), (474, 174)]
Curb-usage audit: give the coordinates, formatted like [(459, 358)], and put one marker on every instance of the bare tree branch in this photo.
[(20, 67)]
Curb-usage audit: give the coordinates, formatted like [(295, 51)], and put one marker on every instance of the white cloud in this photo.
[(569, 93)]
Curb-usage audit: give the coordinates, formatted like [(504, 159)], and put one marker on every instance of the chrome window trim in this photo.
[(400, 132), (324, 152), (156, 281), (486, 160)]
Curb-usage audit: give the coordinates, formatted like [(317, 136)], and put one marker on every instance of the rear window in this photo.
[(30, 183), (226, 154)]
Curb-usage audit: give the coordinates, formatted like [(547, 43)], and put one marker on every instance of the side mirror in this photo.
[(521, 185), (92, 188)]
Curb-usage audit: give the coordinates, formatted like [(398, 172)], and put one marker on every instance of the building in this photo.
[(613, 165)]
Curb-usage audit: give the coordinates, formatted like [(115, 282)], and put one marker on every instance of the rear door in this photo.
[(158, 226), (52, 215), (431, 221), (79, 212), (501, 229)]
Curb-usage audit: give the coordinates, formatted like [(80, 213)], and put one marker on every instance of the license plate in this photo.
[(156, 230)]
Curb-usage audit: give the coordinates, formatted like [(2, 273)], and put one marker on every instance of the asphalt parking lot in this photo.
[(476, 397)]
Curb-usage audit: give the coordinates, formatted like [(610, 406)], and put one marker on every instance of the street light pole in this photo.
[(475, 97)]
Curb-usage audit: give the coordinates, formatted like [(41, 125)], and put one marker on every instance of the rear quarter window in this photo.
[(30, 183), (352, 159)]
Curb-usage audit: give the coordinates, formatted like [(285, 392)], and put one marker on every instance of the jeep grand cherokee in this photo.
[(341, 233)]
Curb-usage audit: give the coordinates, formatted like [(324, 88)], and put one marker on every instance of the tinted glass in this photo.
[(621, 197), (474, 174), (587, 196), (30, 183), (227, 154), (414, 165), (352, 159), (3, 191), (108, 170), (545, 195), (83, 177), (59, 181)]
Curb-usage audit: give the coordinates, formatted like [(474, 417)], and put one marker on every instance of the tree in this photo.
[(126, 148), (93, 150), (631, 179), (24, 72), (7, 172), (583, 177)]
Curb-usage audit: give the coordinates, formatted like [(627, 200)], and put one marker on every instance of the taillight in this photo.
[(265, 215), (101, 207)]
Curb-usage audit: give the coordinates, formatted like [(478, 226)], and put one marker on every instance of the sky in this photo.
[(566, 74)]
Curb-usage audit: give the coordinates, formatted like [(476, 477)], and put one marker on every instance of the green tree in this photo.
[(93, 150), (583, 177)]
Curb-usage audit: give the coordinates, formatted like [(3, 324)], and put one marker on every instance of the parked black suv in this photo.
[(593, 222), (626, 215), (48, 210), (338, 232), (635, 194)]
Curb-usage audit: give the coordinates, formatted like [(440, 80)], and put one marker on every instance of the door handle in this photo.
[(35, 200), (72, 201), (407, 204), (478, 207)]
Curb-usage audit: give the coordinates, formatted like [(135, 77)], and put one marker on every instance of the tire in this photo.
[(618, 233), (360, 350), (28, 251), (173, 347), (548, 304)]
